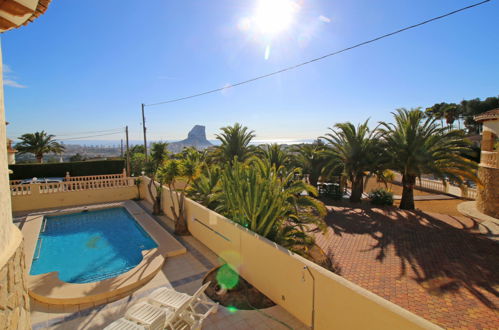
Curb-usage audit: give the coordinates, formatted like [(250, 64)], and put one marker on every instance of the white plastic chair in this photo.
[(149, 316), (196, 316), (124, 324), (177, 320)]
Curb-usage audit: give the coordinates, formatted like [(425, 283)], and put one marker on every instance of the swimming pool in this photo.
[(90, 246)]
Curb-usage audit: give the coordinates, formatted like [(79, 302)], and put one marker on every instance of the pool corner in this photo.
[(49, 289)]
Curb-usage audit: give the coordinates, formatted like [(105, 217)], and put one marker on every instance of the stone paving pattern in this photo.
[(438, 266)]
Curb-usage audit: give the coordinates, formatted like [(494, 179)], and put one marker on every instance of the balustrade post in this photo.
[(34, 189)]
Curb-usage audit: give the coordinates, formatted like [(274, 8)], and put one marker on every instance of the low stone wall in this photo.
[(488, 195), (14, 299)]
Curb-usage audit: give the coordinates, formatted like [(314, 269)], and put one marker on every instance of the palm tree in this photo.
[(310, 158), (39, 143), (235, 143), (137, 163), (137, 149), (274, 154), (159, 154), (356, 151), (451, 112), (192, 154), (386, 177), (437, 112), (172, 170), (205, 187), (416, 145)]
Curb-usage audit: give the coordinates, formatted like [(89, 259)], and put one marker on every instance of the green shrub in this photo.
[(98, 167), (381, 197)]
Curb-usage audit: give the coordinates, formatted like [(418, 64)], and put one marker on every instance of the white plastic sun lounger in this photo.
[(124, 324), (144, 316), (168, 309), (171, 299), (168, 298), (155, 318), (149, 316)]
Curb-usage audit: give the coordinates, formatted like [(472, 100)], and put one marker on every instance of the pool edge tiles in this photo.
[(49, 289), (90, 246)]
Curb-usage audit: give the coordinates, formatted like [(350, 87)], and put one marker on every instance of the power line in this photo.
[(120, 129), (85, 137), (322, 57), (111, 130)]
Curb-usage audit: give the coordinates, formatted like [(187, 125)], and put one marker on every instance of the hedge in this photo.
[(97, 167)]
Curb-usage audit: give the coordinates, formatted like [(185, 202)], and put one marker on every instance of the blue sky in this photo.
[(88, 65)]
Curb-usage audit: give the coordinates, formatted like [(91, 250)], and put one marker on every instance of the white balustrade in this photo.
[(73, 185), (465, 192), (68, 178)]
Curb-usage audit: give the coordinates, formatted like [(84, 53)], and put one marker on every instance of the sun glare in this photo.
[(274, 16)]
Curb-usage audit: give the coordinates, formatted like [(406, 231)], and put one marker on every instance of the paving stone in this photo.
[(436, 266)]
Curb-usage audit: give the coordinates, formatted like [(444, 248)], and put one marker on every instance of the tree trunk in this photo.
[(357, 189), (181, 222), (407, 201), (156, 207), (312, 179), (39, 158)]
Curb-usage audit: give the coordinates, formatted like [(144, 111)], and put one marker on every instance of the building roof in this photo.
[(14, 13), (489, 115)]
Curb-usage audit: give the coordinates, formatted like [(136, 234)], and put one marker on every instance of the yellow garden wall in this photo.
[(36, 200), (280, 274)]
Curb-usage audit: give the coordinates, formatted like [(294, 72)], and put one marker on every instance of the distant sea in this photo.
[(116, 143)]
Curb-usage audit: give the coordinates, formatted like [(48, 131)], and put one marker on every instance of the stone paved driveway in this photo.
[(439, 267)]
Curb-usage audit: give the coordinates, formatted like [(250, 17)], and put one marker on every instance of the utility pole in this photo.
[(127, 153), (144, 128), (121, 148)]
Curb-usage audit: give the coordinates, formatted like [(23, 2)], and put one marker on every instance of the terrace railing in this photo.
[(95, 177), (465, 192), (82, 178), (20, 189), (70, 186), (438, 186)]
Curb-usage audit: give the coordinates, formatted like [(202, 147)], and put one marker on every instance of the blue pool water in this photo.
[(90, 246)]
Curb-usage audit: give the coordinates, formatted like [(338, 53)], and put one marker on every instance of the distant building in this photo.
[(11, 152)]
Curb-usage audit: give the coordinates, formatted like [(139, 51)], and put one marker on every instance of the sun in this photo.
[(272, 17)]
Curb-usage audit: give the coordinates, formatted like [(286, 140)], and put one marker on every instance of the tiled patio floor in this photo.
[(184, 273), (437, 266)]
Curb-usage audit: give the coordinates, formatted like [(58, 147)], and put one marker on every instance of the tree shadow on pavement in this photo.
[(443, 253)]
